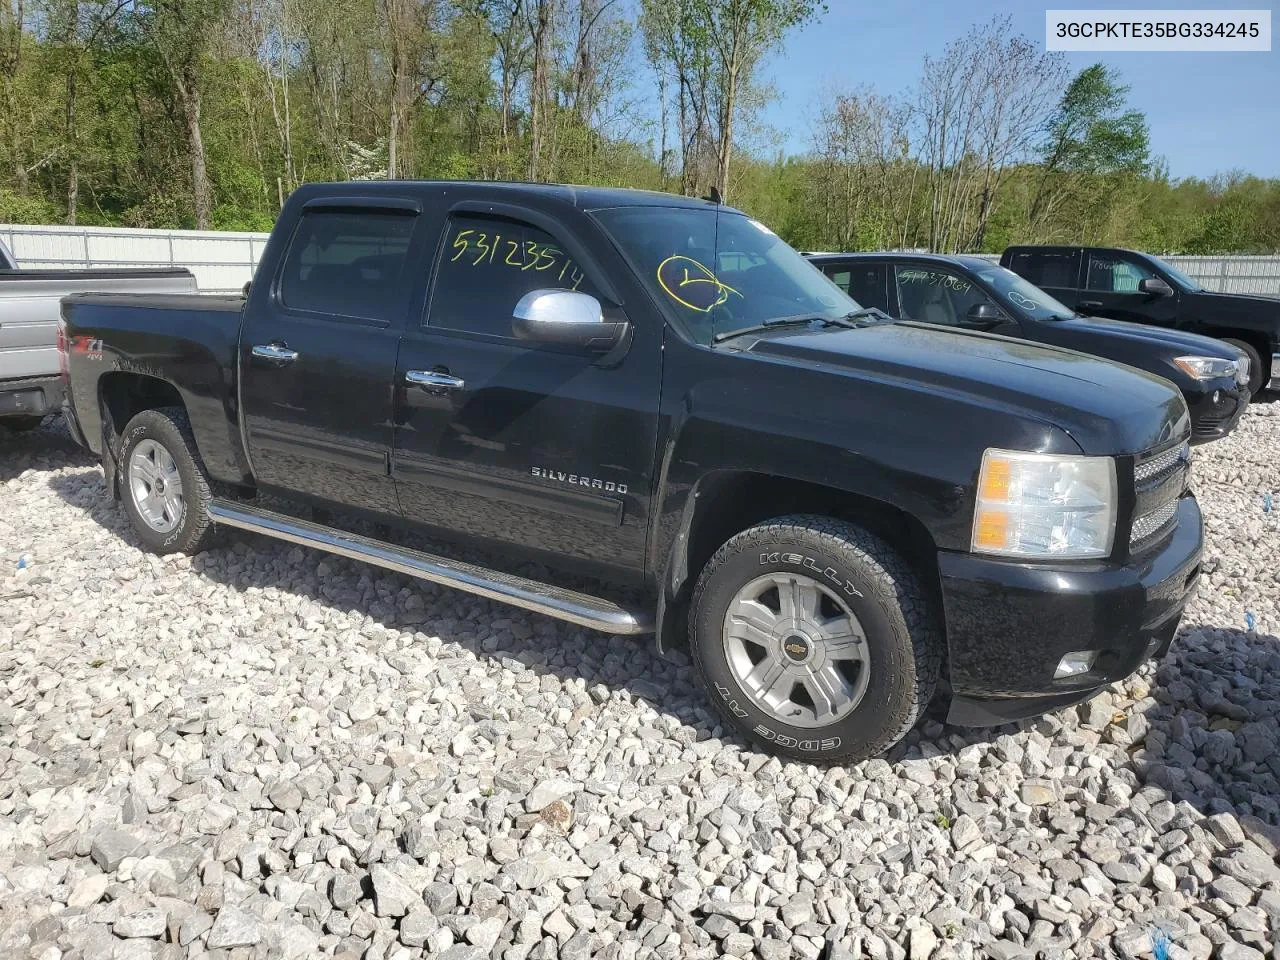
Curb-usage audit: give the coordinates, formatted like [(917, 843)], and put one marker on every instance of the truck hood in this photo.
[(1249, 311), (1105, 407), (1091, 335)]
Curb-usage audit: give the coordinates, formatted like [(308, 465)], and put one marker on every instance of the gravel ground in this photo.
[(263, 752)]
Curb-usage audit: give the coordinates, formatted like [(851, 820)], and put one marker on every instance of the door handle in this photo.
[(277, 352), (1090, 304), (434, 381)]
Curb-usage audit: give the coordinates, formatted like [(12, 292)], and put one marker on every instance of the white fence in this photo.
[(222, 262)]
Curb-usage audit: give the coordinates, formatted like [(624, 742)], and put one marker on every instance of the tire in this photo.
[(166, 521), (861, 699), (1258, 376), (22, 424)]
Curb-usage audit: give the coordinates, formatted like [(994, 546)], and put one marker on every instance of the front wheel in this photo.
[(163, 484), (814, 639), (1258, 375)]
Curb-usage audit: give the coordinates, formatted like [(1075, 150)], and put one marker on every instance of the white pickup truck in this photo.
[(30, 387)]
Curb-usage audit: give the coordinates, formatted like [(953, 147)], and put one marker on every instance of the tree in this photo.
[(979, 107), (712, 49), (539, 13), (742, 32), (1090, 135), (677, 44), (181, 32), (12, 21)]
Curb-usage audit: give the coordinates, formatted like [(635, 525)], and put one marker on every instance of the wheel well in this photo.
[(734, 501), (1254, 338), (125, 395)]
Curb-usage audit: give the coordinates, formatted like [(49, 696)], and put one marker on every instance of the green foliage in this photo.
[(98, 114), (1092, 132), (15, 208)]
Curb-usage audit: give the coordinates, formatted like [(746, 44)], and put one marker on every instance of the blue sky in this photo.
[(1208, 112)]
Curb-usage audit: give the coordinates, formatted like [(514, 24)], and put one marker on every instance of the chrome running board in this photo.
[(586, 611)]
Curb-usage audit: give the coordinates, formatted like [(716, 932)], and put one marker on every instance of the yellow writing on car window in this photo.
[(476, 249), (693, 285)]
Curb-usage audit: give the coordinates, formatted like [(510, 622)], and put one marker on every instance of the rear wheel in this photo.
[(1258, 376), (814, 639), (163, 483)]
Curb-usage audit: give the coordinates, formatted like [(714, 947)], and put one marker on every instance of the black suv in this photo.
[(974, 293), (1127, 285)]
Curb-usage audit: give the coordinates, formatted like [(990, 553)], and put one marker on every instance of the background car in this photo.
[(954, 291), (1127, 285)]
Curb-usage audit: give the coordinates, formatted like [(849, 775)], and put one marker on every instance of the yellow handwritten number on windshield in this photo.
[(693, 285)]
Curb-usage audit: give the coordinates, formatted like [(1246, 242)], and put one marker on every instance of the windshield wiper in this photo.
[(798, 321), (850, 321), (869, 312)]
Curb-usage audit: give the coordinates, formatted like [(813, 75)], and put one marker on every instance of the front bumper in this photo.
[(1215, 409), (1009, 624), (30, 397)]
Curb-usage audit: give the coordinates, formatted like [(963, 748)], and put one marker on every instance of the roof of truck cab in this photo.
[(583, 197), (942, 259)]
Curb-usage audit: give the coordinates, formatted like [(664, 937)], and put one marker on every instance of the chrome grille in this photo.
[(1152, 523), (1160, 463), (1159, 481)]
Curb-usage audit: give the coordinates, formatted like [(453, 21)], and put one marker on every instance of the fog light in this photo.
[(1215, 398), (1075, 663)]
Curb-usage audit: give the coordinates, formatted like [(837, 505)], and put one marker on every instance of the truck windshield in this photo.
[(1180, 278), (1023, 296), (721, 274)]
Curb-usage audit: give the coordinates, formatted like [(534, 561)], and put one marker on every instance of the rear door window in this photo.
[(488, 264), (865, 282), (1048, 268), (348, 264)]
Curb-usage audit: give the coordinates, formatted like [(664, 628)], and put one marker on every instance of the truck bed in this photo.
[(215, 302), (29, 309)]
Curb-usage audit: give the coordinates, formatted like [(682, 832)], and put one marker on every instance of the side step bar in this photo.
[(586, 611)]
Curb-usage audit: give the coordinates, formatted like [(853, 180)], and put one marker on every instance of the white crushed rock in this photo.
[(264, 752)]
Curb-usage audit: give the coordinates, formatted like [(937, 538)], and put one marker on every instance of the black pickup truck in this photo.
[(970, 292), (1133, 286), (846, 518)]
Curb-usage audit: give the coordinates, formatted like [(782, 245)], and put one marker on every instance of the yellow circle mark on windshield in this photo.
[(693, 285)]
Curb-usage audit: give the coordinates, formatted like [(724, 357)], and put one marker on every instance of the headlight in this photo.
[(1040, 505), (1207, 368)]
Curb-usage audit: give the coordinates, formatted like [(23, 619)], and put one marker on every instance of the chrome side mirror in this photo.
[(565, 317), (1155, 287)]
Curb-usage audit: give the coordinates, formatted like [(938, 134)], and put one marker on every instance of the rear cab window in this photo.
[(1048, 268), (348, 263), (489, 263)]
